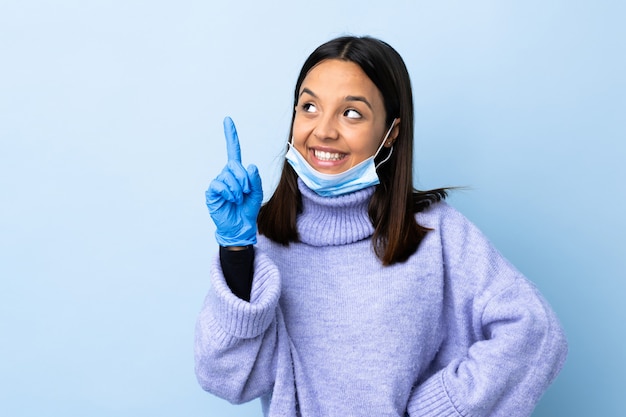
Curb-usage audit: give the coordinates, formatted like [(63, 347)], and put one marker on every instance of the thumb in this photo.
[(255, 181)]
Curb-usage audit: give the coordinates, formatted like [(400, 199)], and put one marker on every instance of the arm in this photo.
[(237, 342), (504, 344), (238, 267)]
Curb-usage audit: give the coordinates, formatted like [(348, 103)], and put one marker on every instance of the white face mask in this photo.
[(355, 178)]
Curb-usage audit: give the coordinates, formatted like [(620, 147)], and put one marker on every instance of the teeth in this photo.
[(328, 156)]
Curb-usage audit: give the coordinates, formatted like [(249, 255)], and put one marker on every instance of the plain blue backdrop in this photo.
[(110, 128)]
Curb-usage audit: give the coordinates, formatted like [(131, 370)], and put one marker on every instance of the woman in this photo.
[(362, 296)]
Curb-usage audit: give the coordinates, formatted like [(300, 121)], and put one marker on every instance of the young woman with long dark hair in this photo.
[(350, 293)]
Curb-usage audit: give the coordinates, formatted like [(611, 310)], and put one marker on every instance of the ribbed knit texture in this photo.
[(329, 331), (331, 221)]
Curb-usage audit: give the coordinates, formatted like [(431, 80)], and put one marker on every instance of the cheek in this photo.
[(300, 132), (364, 143)]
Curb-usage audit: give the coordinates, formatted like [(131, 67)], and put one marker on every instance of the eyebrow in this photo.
[(359, 98), (348, 98)]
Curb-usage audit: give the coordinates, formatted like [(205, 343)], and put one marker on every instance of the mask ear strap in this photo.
[(386, 159), (393, 123)]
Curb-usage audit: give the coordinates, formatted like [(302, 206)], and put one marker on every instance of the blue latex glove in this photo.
[(234, 197)]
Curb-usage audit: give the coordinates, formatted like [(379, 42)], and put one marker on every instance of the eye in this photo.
[(352, 114), (309, 107)]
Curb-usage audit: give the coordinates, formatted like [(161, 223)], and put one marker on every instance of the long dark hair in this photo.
[(395, 201)]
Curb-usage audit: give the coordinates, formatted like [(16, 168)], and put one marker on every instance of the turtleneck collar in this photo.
[(330, 221)]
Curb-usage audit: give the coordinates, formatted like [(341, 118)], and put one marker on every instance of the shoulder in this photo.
[(463, 245), (442, 216)]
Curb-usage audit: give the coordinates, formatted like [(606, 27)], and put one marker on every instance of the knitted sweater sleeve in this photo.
[(503, 344), (237, 341)]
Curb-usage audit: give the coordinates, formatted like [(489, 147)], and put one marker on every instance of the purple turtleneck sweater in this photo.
[(328, 331)]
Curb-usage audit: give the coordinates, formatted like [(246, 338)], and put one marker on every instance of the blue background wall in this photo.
[(110, 128)]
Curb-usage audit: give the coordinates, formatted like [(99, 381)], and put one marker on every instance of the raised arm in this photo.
[(237, 333)]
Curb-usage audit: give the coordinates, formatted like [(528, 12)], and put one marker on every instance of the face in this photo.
[(340, 117)]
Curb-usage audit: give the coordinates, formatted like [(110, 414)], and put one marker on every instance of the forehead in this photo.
[(335, 77)]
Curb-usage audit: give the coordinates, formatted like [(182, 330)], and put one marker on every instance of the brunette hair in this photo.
[(395, 201)]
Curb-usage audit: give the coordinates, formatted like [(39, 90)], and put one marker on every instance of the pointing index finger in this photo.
[(232, 140)]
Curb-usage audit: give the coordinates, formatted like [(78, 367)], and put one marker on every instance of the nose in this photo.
[(326, 128)]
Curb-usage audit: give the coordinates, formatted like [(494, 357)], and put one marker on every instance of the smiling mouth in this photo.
[(328, 156)]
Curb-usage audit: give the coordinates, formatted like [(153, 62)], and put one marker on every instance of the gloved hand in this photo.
[(234, 197)]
